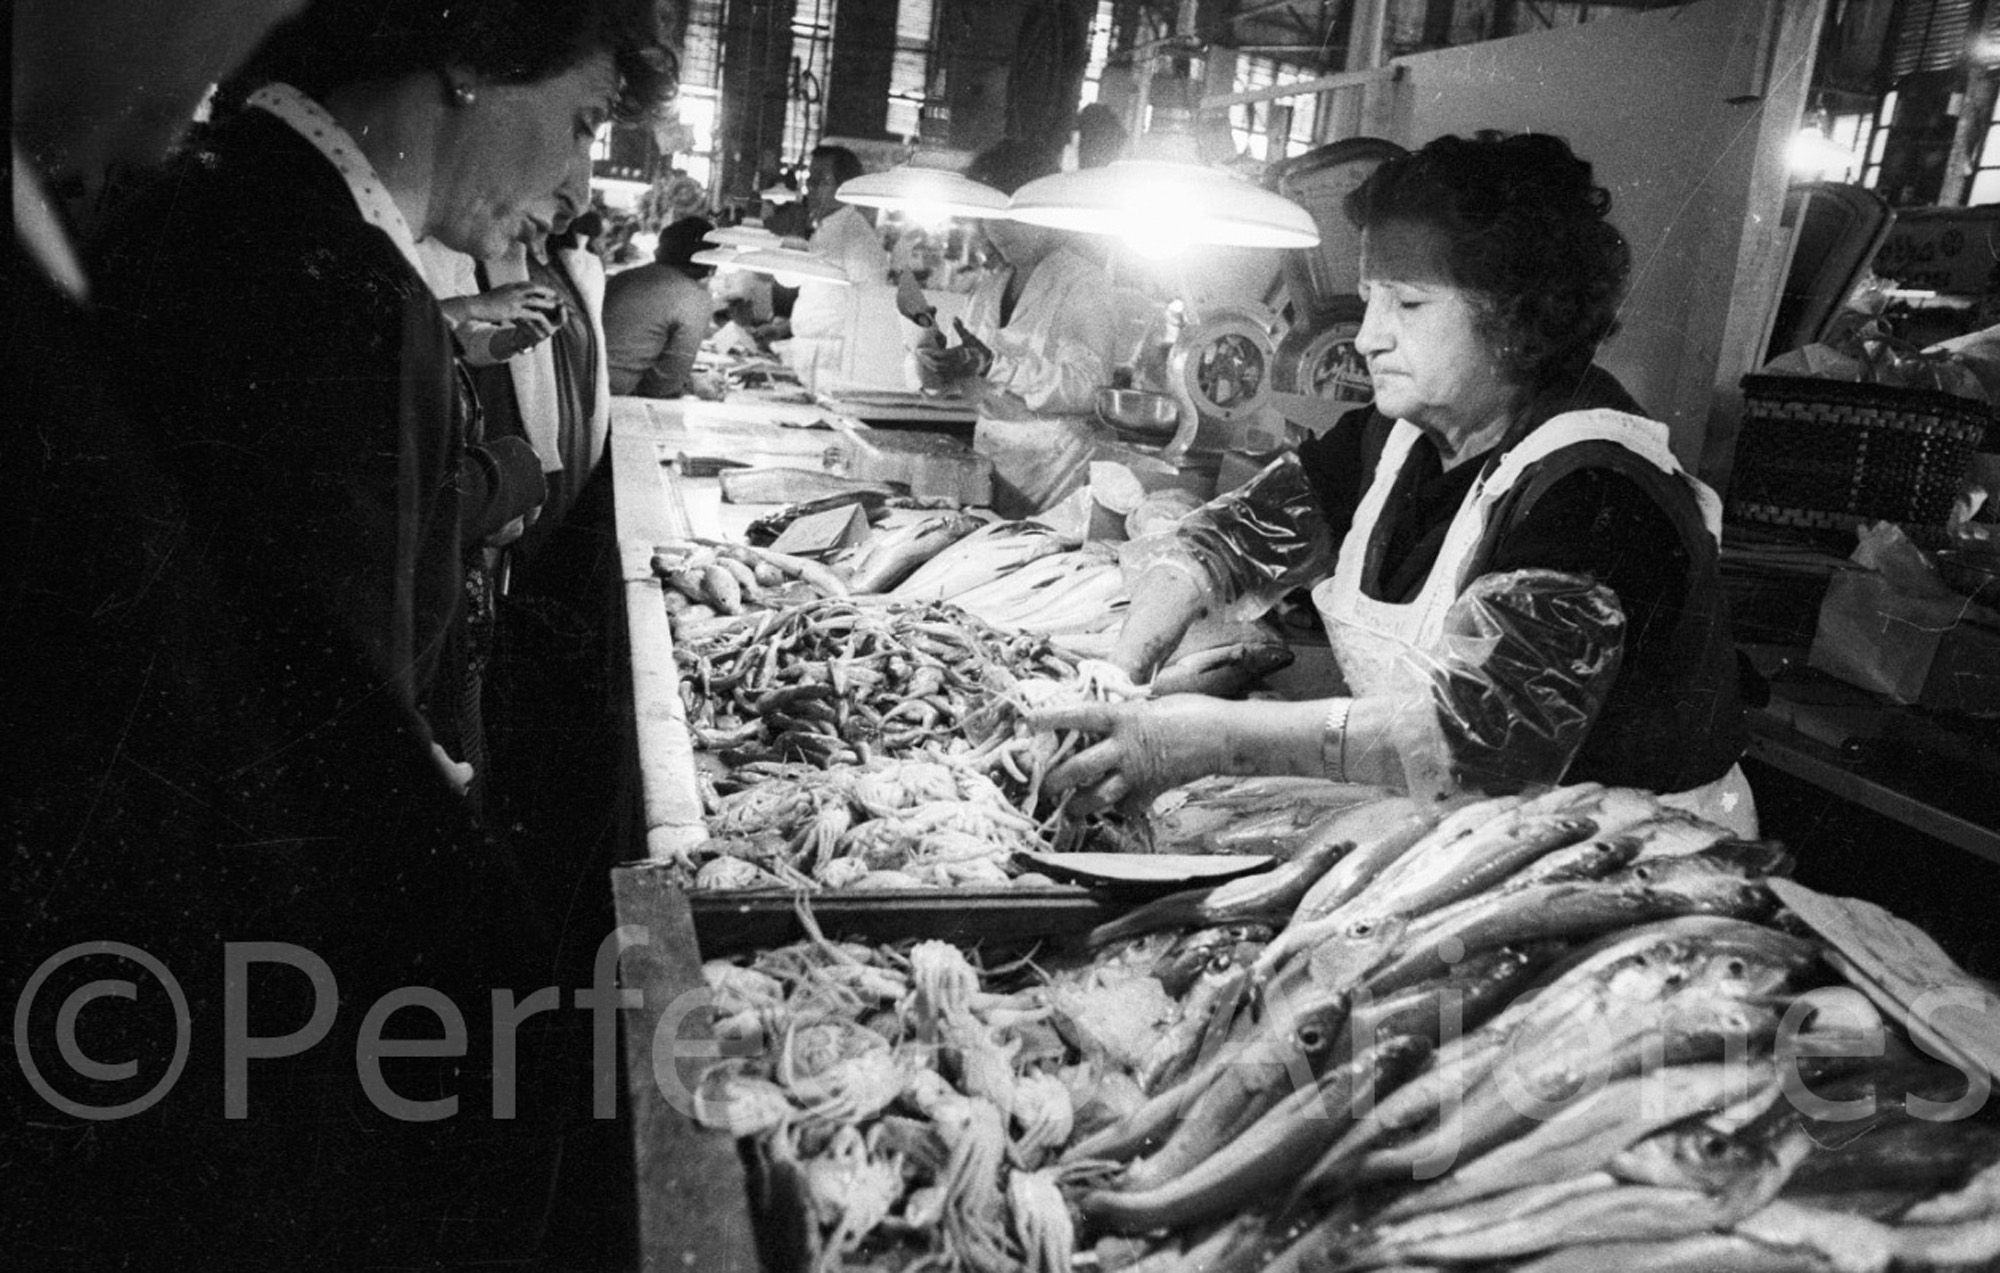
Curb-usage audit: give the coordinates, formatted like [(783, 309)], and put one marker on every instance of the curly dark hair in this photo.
[(1523, 225), (340, 42)]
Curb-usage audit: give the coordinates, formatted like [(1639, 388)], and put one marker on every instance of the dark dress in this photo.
[(1672, 720), (242, 569)]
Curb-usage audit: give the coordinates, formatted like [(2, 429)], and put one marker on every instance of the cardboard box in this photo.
[(702, 1206)]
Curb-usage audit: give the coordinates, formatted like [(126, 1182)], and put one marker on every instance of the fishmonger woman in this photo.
[(1494, 447)]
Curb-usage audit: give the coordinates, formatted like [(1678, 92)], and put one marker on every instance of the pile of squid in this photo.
[(1568, 1033), (910, 1106), (871, 744)]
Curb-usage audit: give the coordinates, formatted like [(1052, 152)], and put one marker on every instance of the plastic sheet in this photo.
[(1523, 668), (1251, 546)]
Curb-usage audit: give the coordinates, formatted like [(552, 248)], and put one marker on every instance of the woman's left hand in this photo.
[(1144, 747)]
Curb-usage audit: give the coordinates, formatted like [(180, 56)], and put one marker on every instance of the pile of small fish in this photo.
[(704, 579), (1024, 575), (871, 745), (1565, 1033), (890, 555)]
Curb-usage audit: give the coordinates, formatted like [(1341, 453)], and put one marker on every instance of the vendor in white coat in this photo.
[(831, 321), (1495, 461), (1043, 327)]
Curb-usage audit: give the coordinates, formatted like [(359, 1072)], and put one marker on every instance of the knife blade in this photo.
[(910, 302)]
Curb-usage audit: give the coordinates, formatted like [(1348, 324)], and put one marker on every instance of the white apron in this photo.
[(1386, 647)]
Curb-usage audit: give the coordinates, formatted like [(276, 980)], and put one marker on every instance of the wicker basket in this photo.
[(1830, 454)]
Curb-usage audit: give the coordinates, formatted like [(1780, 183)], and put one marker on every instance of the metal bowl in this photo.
[(1139, 412)]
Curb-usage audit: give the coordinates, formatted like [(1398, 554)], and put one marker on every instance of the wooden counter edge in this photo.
[(671, 799), (694, 1194)]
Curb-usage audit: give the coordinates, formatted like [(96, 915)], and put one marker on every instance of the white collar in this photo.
[(40, 232), (309, 120)]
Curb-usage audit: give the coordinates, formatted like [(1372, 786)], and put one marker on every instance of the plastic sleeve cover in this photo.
[(1259, 541), (1524, 665)]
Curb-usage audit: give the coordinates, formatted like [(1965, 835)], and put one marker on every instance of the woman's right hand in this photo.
[(522, 304), (1144, 747)]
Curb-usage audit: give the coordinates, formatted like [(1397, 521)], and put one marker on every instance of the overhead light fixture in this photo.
[(742, 236), (780, 194), (720, 258), (1162, 196), (1815, 156), (926, 187), (789, 266)]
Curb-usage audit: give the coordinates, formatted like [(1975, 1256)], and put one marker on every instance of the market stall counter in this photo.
[(875, 1029)]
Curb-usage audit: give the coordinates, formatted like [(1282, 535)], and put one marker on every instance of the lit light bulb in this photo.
[(1813, 155)]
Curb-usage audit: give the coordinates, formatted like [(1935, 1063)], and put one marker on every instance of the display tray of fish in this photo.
[(1659, 1065)]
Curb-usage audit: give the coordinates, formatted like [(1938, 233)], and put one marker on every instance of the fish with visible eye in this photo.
[(1693, 1177), (1193, 954)]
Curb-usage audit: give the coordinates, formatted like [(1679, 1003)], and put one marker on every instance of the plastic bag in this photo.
[(1250, 547), (1879, 627), (1522, 670), (1868, 354)]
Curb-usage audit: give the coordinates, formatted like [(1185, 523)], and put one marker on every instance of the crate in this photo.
[(702, 1203), (1831, 454)]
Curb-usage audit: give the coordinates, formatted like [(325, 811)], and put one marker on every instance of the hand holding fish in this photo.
[(1147, 746), (1143, 747)]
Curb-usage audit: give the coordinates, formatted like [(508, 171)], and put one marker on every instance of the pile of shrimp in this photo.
[(838, 682), (912, 761), (919, 1110)]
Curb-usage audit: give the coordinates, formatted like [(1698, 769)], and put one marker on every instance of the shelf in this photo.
[(1779, 745)]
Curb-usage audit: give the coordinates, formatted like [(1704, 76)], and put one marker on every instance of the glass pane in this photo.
[(1985, 187)]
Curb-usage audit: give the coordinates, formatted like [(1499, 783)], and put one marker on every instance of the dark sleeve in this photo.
[(1599, 524), (497, 482), (1669, 720)]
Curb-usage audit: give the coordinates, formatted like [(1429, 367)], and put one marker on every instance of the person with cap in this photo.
[(656, 316)]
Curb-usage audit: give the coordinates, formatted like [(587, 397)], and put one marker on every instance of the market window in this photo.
[(812, 49), (1986, 173), (1100, 50), (909, 69), (1251, 123)]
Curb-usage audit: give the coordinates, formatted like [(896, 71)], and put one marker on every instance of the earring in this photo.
[(463, 94)]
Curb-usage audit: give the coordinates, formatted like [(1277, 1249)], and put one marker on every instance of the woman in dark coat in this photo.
[(319, 476)]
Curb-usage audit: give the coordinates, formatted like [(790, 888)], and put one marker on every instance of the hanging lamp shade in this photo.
[(1162, 194), (789, 266), (720, 258), (780, 194), (926, 186), (742, 236), (926, 189), (1166, 201)]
